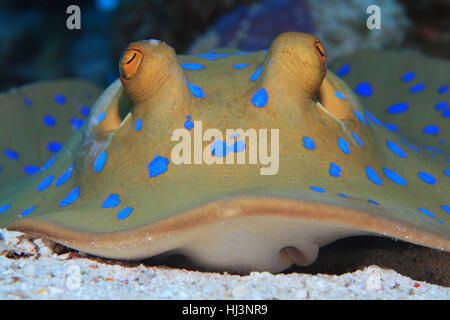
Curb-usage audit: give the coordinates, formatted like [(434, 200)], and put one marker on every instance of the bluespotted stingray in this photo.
[(115, 190)]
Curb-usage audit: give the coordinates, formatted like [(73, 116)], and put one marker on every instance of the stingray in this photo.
[(243, 161)]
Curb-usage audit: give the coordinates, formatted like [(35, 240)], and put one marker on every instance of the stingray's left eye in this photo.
[(322, 53), (129, 63)]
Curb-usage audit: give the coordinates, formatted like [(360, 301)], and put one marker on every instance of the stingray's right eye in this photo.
[(129, 63)]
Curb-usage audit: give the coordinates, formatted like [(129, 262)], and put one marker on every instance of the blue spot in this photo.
[(417, 88), (260, 98), (30, 170), (342, 195), (100, 161), (426, 177), (409, 76), (372, 118), (398, 108), (213, 55), (48, 164), (308, 143), (343, 145), (256, 74), (431, 129), (65, 176), (443, 89), (339, 95), (433, 149), (188, 124), (4, 208), (28, 102), (54, 146), (357, 139), (373, 202), (27, 211), (395, 177), (157, 166), (428, 213), (192, 66), (409, 145), (318, 189), (360, 116), (196, 90), (100, 117), (125, 213), (241, 65), (391, 127), (49, 121), (76, 123), (364, 89), (441, 141), (396, 149), (111, 202), (71, 197), (138, 125), (335, 170), (372, 176), (441, 105), (447, 172), (11, 154), (446, 113), (445, 208), (60, 99), (345, 69), (85, 110), (45, 183)]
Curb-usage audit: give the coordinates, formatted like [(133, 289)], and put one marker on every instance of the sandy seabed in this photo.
[(31, 269)]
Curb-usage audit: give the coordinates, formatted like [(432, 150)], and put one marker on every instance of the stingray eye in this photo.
[(322, 53), (129, 63)]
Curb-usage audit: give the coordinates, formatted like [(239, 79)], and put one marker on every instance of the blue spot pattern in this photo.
[(196, 90), (157, 166), (111, 202), (85, 110), (318, 189), (192, 66), (373, 202), (256, 74), (372, 118), (391, 127), (188, 124), (396, 149), (344, 70), (431, 129), (357, 139), (335, 170), (308, 143), (441, 106), (65, 176), (54, 146), (394, 177), (100, 117), (125, 213), (45, 183), (71, 197), (30, 170), (27, 211), (417, 88), (76, 123), (445, 208), (343, 145), (443, 89), (339, 95), (11, 154), (49, 120), (99, 163), (373, 177), (428, 213), (4, 208), (409, 145), (138, 125), (260, 98), (28, 102), (220, 148), (60, 99), (447, 172), (241, 65), (342, 195), (364, 89), (49, 163), (446, 113), (397, 108), (409, 76), (426, 177), (360, 116)]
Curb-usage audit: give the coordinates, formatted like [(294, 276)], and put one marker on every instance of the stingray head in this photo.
[(241, 161)]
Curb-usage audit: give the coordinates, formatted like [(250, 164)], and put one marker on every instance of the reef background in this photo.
[(36, 45)]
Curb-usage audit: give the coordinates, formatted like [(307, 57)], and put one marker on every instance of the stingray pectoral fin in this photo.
[(240, 234)]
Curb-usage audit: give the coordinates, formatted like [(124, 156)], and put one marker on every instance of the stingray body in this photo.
[(126, 185)]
